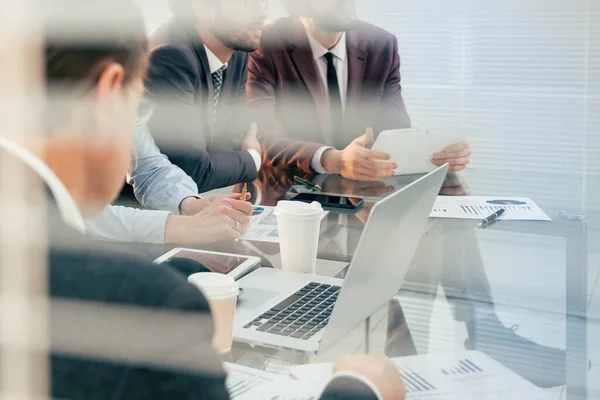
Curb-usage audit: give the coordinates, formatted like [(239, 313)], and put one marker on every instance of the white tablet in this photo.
[(234, 265), (412, 149)]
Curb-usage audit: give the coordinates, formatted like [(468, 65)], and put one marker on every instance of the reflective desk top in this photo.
[(521, 292)]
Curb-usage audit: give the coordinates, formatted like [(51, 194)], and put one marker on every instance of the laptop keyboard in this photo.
[(301, 315)]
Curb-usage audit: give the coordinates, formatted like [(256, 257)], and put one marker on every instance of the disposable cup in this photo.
[(221, 291), (299, 226)]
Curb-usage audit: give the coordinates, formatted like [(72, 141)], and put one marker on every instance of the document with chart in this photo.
[(263, 225), (465, 375), (478, 207), (244, 383)]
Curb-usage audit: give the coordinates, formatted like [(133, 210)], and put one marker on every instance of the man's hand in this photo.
[(223, 218), (380, 371), (358, 162), (250, 142), (457, 155), (193, 205)]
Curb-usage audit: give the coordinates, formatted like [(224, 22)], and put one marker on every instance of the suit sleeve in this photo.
[(136, 302), (278, 151), (177, 126), (392, 113), (350, 386)]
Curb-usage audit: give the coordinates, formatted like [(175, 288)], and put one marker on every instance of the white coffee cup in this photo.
[(221, 291), (299, 226)]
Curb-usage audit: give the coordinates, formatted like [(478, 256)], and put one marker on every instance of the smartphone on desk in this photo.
[(331, 201)]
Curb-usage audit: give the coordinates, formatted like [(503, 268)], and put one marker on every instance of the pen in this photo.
[(492, 218), (244, 192), (306, 183)]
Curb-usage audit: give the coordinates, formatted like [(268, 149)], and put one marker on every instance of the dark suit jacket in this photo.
[(180, 84), (287, 97)]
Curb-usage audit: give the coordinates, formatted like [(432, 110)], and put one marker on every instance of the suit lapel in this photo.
[(207, 103), (356, 77), (301, 55)]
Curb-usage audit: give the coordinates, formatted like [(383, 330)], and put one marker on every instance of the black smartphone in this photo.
[(329, 201)]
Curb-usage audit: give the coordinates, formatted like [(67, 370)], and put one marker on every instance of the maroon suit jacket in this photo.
[(287, 97)]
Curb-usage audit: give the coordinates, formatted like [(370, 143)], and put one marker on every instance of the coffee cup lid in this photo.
[(298, 209), (215, 286)]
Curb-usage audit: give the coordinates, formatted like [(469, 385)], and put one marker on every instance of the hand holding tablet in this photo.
[(414, 151)]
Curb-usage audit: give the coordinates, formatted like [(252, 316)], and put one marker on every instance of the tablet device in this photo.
[(412, 149), (234, 265)]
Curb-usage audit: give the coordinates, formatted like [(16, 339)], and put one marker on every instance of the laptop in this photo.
[(309, 313)]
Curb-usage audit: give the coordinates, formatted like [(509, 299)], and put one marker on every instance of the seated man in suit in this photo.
[(319, 85), (197, 80), (119, 327)]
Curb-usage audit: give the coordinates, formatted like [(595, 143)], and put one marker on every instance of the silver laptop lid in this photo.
[(384, 253)]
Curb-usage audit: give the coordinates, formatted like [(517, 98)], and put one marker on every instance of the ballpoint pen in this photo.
[(304, 182), (244, 192), (492, 218)]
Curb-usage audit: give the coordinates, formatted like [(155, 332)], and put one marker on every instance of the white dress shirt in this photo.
[(66, 205), (158, 185), (340, 61), (215, 64)]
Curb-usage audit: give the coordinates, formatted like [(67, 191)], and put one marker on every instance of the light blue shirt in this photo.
[(158, 185)]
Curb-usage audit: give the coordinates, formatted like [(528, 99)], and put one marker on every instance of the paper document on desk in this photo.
[(466, 375), (244, 383), (263, 225), (420, 382), (478, 207), (413, 149)]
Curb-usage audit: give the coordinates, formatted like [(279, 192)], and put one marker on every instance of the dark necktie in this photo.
[(335, 98), (217, 81)]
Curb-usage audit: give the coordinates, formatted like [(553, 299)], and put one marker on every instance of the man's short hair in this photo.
[(81, 37)]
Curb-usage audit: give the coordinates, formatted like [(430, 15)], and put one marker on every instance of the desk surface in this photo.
[(522, 292)]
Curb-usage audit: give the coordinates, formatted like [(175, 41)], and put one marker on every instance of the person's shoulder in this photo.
[(100, 275), (171, 41), (372, 35)]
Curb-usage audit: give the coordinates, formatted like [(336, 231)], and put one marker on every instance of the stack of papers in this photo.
[(476, 207)]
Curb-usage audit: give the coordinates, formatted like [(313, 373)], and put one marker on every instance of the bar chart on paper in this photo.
[(476, 207), (463, 367), (421, 381), (414, 382)]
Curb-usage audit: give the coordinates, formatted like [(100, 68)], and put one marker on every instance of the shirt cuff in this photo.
[(173, 201), (195, 196), (256, 157), (316, 160), (361, 378)]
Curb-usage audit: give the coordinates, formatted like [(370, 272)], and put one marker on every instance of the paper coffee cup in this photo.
[(221, 291), (299, 226)]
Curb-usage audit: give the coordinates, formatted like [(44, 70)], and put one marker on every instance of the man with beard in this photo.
[(319, 86), (197, 79)]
